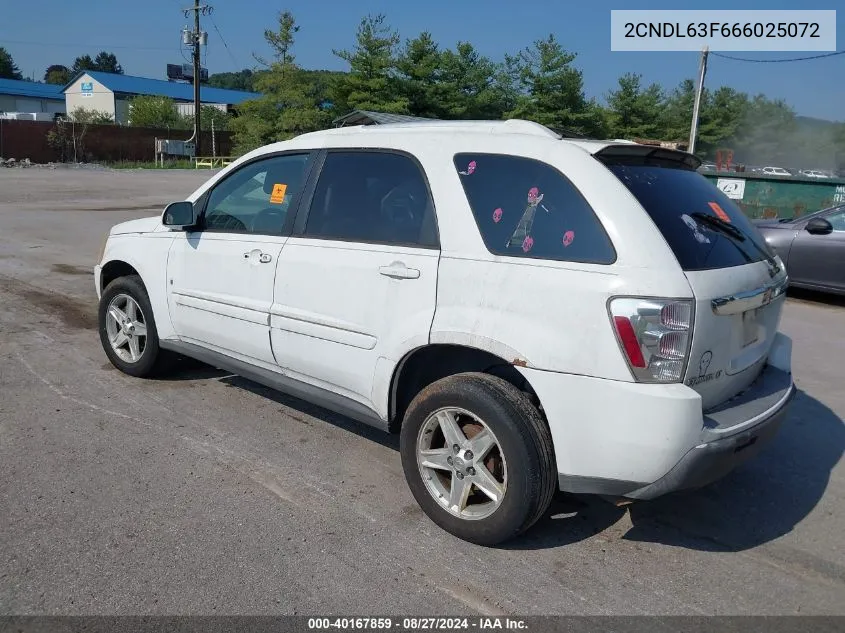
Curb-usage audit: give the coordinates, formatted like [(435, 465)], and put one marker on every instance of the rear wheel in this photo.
[(478, 457), (127, 328)]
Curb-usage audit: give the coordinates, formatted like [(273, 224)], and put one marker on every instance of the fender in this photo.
[(147, 253)]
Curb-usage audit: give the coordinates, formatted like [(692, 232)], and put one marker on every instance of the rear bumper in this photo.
[(641, 441), (715, 458)]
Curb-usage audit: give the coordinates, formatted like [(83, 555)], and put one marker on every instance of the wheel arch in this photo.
[(426, 364), (114, 269)]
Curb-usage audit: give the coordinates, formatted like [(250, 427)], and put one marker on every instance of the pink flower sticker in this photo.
[(497, 215), (527, 243), (568, 238)]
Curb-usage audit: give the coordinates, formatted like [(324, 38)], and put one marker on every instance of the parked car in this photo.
[(528, 313), (776, 171), (812, 247), (813, 173)]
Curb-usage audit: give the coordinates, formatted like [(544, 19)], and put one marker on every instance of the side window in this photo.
[(837, 220), (257, 197), (526, 208), (371, 196)]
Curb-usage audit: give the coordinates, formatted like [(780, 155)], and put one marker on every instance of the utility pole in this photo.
[(702, 70), (196, 38)]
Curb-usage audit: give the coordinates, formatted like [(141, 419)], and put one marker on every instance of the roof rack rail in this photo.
[(567, 133)]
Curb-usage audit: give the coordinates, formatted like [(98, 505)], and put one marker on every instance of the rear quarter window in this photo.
[(527, 208)]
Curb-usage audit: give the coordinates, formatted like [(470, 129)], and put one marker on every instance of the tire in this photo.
[(150, 358), (522, 459)]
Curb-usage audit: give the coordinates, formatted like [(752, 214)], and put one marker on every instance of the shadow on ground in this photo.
[(758, 502)]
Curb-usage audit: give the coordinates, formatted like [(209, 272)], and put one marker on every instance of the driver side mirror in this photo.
[(819, 226), (179, 215)]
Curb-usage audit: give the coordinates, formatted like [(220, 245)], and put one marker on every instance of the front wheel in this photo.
[(127, 328), (478, 457)]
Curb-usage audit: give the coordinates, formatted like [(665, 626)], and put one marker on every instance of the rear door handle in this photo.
[(398, 270), (264, 258)]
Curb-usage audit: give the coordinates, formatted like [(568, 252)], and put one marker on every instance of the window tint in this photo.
[(372, 197), (257, 197), (526, 208), (704, 228)]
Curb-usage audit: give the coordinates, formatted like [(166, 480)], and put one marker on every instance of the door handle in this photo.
[(264, 258), (398, 270)]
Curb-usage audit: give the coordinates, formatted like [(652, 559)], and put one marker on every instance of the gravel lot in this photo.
[(204, 493)]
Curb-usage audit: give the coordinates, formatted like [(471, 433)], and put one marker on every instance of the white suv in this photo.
[(529, 313)]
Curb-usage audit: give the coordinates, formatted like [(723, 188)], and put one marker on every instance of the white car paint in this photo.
[(324, 313)]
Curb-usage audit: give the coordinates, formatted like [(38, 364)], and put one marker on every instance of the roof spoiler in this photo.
[(648, 155)]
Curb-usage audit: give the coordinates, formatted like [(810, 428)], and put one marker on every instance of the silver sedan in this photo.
[(812, 247)]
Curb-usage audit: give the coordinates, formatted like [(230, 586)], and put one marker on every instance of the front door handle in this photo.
[(398, 270)]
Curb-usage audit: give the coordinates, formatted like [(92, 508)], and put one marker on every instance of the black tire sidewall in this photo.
[(515, 440), (133, 287)]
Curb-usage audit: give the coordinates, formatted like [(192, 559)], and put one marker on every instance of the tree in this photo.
[(420, 69), (634, 112), (472, 86), (88, 116), (156, 112), (241, 80), (552, 90), (69, 135), (107, 63), (722, 112), (372, 83), (289, 104), (677, 112), (57, 74), (8, 68), (83, 63), (281, 40), (221, 120)]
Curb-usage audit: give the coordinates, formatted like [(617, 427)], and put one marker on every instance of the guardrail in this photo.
[(212, 161)]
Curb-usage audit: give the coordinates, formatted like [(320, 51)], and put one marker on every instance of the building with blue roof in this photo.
[(110, 93), (31, 97)]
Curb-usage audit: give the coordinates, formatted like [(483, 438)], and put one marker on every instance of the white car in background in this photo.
[(528, 313), (813, 173), (776, 171)]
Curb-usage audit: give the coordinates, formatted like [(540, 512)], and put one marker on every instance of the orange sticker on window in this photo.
[(278, 195), (720, 212)]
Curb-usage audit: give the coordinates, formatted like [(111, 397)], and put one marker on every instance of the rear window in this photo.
[(527, 208), (688, 209)]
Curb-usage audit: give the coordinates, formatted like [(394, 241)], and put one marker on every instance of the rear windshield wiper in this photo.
[(727, 228), (719, 225)]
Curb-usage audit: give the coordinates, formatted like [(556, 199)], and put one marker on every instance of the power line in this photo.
[(222, 39), (776, 61), (89, 45)]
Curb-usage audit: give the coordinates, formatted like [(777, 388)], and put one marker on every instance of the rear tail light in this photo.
[(655, 336)]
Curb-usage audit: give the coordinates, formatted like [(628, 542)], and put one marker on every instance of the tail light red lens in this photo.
[(629, 341), (654, 335)]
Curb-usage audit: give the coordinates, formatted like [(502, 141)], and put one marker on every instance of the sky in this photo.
[(145, 36)]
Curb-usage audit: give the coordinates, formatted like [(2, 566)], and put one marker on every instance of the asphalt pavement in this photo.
[(203, 493)]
